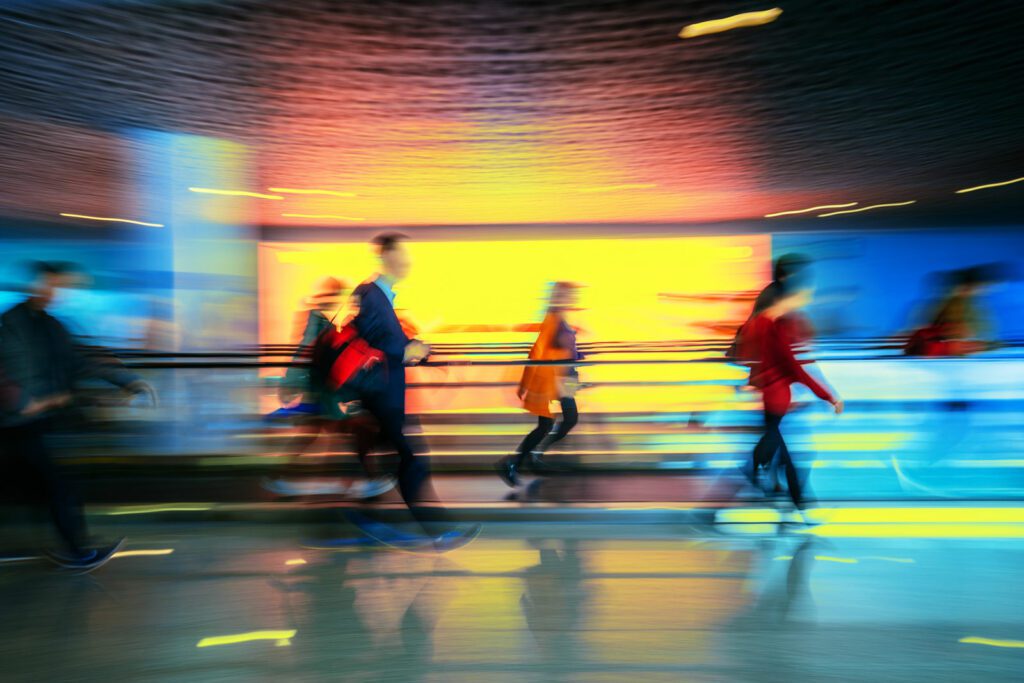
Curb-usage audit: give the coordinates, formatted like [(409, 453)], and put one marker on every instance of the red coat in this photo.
[(767, 345)]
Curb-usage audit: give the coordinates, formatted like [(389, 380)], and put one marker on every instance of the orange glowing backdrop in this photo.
[(637, 289)]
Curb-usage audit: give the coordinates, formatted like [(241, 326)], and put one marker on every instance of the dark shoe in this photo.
[(89, 560), (506, 468)]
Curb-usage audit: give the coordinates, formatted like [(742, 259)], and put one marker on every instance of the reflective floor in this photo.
[(524, 602)]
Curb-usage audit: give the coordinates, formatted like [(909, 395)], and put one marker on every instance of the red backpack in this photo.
[(343, 363)]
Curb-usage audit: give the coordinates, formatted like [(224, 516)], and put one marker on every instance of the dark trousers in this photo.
[(412, 469), (772, 445), (570, 416), (25, 453)]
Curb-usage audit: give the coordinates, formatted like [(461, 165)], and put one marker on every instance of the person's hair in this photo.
[(39, 268), (789, 265), (388, 241)]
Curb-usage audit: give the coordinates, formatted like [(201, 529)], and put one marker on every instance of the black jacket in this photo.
[(40, 357), (379, 326)]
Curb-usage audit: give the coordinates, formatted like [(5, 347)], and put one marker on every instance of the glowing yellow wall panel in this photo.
[(503, 283), (642, 289)]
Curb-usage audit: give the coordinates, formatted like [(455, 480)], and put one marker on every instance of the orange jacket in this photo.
[(539, 384)]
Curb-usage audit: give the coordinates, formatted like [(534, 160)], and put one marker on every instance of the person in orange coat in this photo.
[(541, 385)]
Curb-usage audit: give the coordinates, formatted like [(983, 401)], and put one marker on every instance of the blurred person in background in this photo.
[(378, 324), (43, 364), (314, 409), (541, 385), (768, 346), (959, 324)]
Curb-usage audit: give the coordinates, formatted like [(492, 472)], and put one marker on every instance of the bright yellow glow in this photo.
[(112, 220), (811, 209), (296, 561), (917, 531), (867, 208), (292, 190), (991, 642), (282, 638), (617, 188), (990, 185), (155, 552), (840, 560), (506, 283), (924, 514), (234, 193), (729, 23), (321, 215)]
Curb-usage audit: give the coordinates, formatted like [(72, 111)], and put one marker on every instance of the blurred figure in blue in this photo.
[(43, 363), (316, 411)]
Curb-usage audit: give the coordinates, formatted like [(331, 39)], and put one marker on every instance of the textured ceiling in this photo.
[(500, 112)]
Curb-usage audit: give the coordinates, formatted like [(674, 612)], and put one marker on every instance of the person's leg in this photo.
[(570, 417), (786, 462), (65, 506), (533, 439)]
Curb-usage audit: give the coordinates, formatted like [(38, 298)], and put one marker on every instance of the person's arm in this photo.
[(94, 363), (795, 369)]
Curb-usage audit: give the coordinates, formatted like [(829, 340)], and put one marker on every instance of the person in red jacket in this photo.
[(768, 341)]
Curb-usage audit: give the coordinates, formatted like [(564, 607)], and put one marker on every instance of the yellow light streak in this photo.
[(867, 208), (148, 509), (809, 210), (155, 552), (296, 561), (744, 20), (234, 193), (112, 220), (840, 560), (282, 638), (294, 190), (990, 185), (321, 215), (991, 642)]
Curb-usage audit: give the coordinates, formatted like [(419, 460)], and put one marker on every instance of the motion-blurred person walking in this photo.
[(767, 344), (959, 325), (541, 385), (316, 411), (378, 324), (43, 364)]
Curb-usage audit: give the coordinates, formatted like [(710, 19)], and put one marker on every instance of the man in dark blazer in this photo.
[(379, 326)]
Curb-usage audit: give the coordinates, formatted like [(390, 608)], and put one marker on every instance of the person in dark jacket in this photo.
[(43, 364), (767, 344), (379, 326)]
